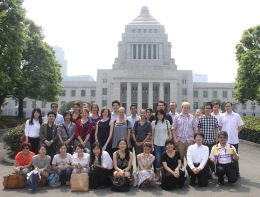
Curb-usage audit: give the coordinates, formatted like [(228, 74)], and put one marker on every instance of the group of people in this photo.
[(105, 145)]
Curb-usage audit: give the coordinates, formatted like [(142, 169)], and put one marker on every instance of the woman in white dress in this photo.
[(145, 173)]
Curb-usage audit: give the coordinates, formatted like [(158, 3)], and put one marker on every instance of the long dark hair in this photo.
[(126, 150), (32, 116), (161, 111), (92, 155)]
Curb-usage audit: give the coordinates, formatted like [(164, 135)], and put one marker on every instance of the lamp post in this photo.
[(253, 105)]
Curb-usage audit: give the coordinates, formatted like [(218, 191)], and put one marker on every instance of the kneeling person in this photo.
[(223, 155)]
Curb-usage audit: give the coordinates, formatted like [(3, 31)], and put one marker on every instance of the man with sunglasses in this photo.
[(59, 118), (224, 155)]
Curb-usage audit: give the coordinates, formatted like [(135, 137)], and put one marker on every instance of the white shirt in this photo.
[(230, 123), (224, 154), (160, 132), (197, 154), (173, 115), (106, 160), (217, 116), (133, 119), (59, 119), (32, 130)]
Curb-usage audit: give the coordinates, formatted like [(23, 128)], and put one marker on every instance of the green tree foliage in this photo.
[(12, 44), (67, 106), (247, 85), (40, 71)]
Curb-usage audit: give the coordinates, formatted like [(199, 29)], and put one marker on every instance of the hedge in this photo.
[(251, 129)]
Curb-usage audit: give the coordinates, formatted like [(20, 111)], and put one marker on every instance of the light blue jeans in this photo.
[(158, 150)]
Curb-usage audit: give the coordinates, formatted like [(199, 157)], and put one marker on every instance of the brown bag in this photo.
[(79, 182), (14, 181)]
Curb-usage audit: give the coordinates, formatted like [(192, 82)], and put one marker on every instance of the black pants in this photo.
[(210, 166), (202, 176), (99, 177), (230, 170), (236, 162), (35, 144), (170, 182)]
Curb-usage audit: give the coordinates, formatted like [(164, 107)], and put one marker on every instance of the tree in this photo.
[(67, 106), (40, 71), (12, 44), (247, 85)]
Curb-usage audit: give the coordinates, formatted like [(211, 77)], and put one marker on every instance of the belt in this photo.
[(34, 137)]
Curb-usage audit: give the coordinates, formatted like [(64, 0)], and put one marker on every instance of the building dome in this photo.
[(144, 18)]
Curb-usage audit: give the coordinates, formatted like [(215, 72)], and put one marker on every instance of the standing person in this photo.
[(208, 125), (32, 129), (101, 166), (232, 123), (161, 131), (76, 112), (197, 157), (23, 159), (122, 159), (198, 114), (84, 128), (58, 118), (42, 161), (115, 113), (173, 110), (62, 164), (223, 155), (216, 111), (149, 113), (80, 160), (94, 117), (172, 175), (102, 134), (48, 134), (141, 133), (161, 105), (183, 130), (66, 132), (145, 173), (133, 118), (85, 105), (120, 128)]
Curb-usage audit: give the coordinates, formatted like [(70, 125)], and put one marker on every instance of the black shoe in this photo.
[(221, 183), (192, 183)]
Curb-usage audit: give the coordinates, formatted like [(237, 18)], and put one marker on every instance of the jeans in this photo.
[(158, 150), (64, 175)]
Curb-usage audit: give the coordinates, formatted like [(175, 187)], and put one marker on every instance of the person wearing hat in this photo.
[(224, 155)]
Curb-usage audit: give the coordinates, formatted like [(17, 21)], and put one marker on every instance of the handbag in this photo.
[(14, 181), (120, 184), (79, 182), (54, 180)]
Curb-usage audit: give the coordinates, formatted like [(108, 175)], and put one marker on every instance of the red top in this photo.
[(79, 128), (24, 161)]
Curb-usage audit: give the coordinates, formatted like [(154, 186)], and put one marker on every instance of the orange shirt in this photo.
[(24, 161)]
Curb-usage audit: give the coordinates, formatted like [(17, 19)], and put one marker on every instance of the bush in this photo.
[(12, 141), (251, 129), (10, 121)]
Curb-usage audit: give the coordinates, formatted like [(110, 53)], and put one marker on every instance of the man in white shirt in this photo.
[(224, 155), (232, 123), (197, 157), (114, 113), (216, 110), (134, 116), (59, 118)]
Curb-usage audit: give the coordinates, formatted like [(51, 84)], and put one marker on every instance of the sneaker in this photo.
[(214, 176)]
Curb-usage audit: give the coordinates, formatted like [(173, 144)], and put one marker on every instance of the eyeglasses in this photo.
[(54, 106), (26, 148), (222, 137)]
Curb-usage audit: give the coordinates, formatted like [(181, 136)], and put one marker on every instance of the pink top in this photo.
[(24, 161)]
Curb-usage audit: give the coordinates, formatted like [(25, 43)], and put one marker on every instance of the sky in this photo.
[(203, 33)]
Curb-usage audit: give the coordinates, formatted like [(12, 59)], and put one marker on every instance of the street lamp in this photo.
[(253, 105)]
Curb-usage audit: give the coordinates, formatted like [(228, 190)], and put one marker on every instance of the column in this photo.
[(128, 97), (161, 92), (139, 96), (150, 95)]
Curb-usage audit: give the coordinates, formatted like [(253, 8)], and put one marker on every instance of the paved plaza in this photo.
[(248, 185)]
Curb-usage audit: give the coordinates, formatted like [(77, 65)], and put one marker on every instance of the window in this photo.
[(134, 90), (156, 30), (93, 93), (205, 94), (43, 104), (243, 106), (155, 90), (124, 90), (139, 30), (184, 81), (63, 93), (195, 105), (150, 30), (33, 103), (104, 103), (145, 90), (224, 94), (105, 80), (24, 104), (195, 94), (83, 92), (165, 90), (184, 91), (144, 30), (215, 94), (104, 91), (73, 93)]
